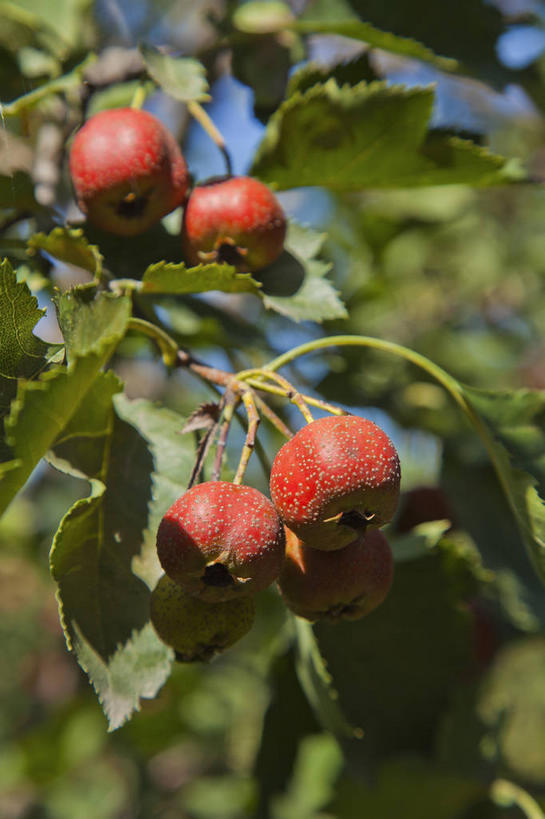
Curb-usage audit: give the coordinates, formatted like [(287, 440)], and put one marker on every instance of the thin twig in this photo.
[(198, 112), (271, 416), (288, 390), (231, 400), (249, 443)]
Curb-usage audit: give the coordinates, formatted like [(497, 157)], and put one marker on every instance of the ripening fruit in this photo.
[(237, 220), (127, 171), (344, 584), (195, 629), (335, 477), (221, 540)]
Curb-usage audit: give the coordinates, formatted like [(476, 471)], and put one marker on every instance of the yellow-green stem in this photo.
[(167, 345)]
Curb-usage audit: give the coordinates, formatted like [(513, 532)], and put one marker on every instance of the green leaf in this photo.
[(368, 136), (394, 669), (295, 285), (23, 354), (88, 319), (173, 455), (43, 407), (138, 669), (181, 77), (68, 82), (515, 426), (70, 246), (376, 38), (317, 682), (80, 448), (345, 73), (466, 31), (171, 278), (104, 557)]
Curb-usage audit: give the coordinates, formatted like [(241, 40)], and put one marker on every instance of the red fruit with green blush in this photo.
[(127, 170), (221, 540), (343, 584), (236, 220), (336, 477)]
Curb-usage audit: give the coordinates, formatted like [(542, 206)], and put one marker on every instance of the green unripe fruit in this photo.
[(194, 628)]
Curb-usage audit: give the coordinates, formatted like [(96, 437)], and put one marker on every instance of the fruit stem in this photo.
[(167, 345), (231, 400), (288, 390), (198, 112), (139, 96), (249, 443), (447, 381), (308, 399), (271, 416)]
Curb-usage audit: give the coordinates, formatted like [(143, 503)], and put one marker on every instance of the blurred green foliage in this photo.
[(443, 686)]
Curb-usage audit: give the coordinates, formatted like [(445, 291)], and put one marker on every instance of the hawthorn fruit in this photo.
[(334, 478), (196, 629), (220, 541), (127, 171), (344, 584), (236, 220)]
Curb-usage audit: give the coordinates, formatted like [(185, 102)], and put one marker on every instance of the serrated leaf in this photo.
[(173, 455), (395, 697), (23, 354), (104, 556), (177, 278), (80, 447), (368, 136), (87, 319), (515, 422), (70, 246), (357, 30), (43, 407), (183, 78), (138, 669), (345, 73), (295, 285)]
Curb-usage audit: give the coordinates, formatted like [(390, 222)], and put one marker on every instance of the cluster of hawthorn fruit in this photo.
[(333, 484), (128, 172)]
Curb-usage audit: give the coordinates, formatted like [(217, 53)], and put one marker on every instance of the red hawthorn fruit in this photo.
[(221, 540), (237, 220), (335, 477), (127, 170), (344, 584)]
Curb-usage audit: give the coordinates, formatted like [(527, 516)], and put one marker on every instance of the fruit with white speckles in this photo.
[(195, 629), (334, 478), (345, 584), (127, 170), (220, 541), (236, 220)]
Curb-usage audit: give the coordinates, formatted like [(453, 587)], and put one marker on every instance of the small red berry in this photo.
[(336, 585), (221, 540), (236, 220), (127, 170), (335, 476)]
